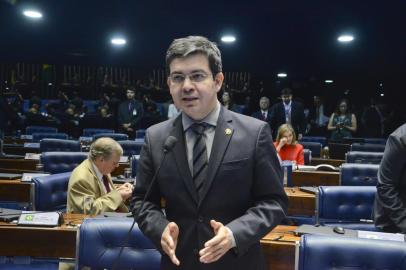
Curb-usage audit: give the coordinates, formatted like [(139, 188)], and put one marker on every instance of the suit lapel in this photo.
[(181, 157), (222, 137)]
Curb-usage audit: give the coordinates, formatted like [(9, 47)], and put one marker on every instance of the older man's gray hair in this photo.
[(104, 147)]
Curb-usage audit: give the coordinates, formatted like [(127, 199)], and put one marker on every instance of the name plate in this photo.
[(27, 177), (47, 219), (32, 156)]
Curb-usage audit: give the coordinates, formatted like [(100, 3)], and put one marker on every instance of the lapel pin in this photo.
[(228, 131)]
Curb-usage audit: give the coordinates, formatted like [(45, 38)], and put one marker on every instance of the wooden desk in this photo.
[(40, 242), (19, 149), (333, 162), (18, 164), (300, 202), (15, 190), (278, 246), (315, 178)]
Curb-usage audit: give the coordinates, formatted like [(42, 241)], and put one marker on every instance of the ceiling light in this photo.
[(328, 81), (118, 41), (282, 75), (382, 94), (228, 39), (345, 38), (34, 14)]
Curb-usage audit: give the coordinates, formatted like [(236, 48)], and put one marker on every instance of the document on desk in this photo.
[(32, 156), (47, 219), (382, 236)]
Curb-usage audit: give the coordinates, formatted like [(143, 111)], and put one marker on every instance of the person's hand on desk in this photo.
[(169, 241), (125, 190), (216, 247)]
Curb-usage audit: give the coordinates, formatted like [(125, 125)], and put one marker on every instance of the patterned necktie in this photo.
[(130, 107), (106, 183), (200, 160), (263, 116)]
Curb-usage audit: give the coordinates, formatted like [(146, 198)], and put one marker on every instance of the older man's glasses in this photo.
[(195, 77)]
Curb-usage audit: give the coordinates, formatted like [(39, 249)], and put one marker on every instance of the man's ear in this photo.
[(218, 80)]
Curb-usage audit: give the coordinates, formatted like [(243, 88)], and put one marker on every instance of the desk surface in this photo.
[(300, 202), (278, 245)]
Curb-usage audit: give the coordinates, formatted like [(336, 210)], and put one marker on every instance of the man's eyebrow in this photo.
[(193, 71)]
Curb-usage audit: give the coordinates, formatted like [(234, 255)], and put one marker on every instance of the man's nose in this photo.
[(187, 84)]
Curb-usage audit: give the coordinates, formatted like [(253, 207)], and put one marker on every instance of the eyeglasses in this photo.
[(195, 77)]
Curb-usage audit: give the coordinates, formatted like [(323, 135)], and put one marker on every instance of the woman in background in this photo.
[(342, 123), (287, 146)]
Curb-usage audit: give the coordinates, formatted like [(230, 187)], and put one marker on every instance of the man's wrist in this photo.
[(232, 239)]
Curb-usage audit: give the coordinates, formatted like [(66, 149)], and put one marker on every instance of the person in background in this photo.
[(264, 113), (221, 180), (287, 146), (129, 113), (390, 199), (290, 112), (228, 102), (342, 123), (92, 178)]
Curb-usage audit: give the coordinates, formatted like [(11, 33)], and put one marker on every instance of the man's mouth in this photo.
[(188, 99)]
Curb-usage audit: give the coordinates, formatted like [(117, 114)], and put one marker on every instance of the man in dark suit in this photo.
[(221, 182), (390, 199), (129, 113), (264, 113), (288, 111)]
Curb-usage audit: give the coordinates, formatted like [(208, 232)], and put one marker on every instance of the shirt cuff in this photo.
[(233, 245)]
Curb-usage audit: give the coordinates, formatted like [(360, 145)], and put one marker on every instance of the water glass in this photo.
[(88, 201)]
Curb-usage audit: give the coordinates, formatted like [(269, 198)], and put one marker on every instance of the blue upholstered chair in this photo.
[(59, 162), (29, 130), (100, 240), (50, 192), (56, 145), (367, 147), (307, 156), (321, 140), (140, 133), (315, 147), (36, 137), (364, 157), (89, 132), (328, 252), (375, 141), (131, 147), (347, 206), (114, 136), (352, 174)]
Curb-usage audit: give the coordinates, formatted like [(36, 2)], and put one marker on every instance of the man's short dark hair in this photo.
[(286, 92), (183, 47)]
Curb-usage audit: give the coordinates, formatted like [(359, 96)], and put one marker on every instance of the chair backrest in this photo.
[(367, 147), (352, 174), (114, 136), (344, 203), (307, 156), (89, 132), (59, 162), (328, 252), (322, 140), (140, 133), (56, 145), (133, 165), (315, 147), (375, 141), (130, 147), (50, 192), (36, 137), (29, 130), (100, 240), (364, 157)]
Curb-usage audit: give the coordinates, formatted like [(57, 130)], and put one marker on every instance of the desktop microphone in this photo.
[(167, 147)]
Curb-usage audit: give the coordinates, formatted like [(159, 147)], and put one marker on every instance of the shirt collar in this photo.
[(210, 119), (98, 173), (287, 106)]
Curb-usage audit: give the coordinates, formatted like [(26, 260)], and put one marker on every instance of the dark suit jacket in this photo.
[(258, 115), (124, 116), (296, 115), (243, 191), (390, 200)]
